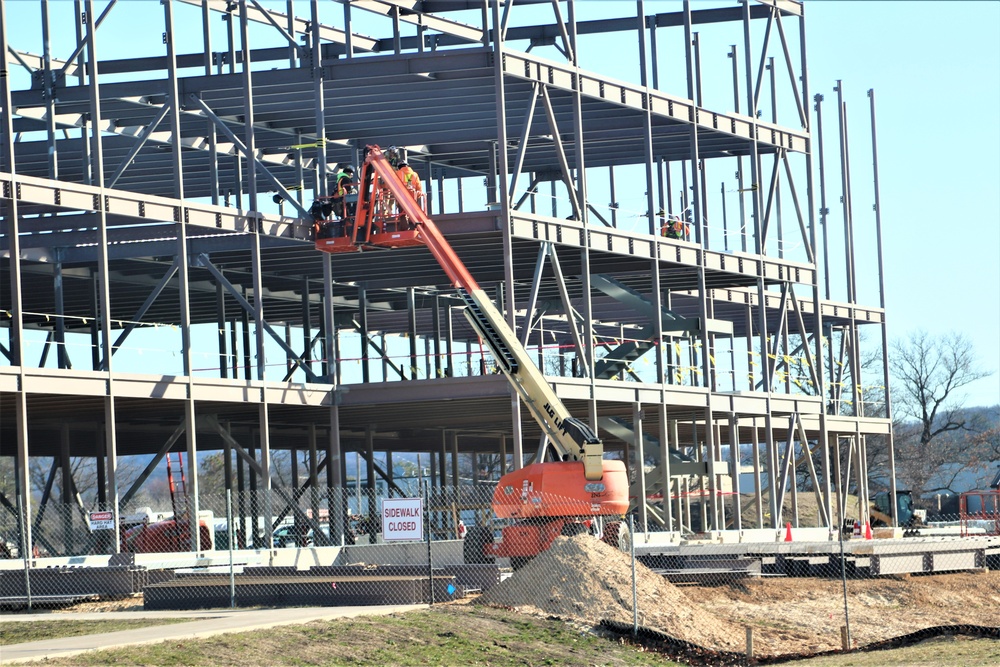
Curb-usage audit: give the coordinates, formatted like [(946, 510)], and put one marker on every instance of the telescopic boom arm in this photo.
[(571, 438)]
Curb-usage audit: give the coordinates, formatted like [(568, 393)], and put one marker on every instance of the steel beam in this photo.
[(250, 154), (205, 262)]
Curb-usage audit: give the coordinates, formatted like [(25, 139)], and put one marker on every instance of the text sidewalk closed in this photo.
[(402, 519)]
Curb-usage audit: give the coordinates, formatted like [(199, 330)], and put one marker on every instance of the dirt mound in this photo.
[(580, 577)]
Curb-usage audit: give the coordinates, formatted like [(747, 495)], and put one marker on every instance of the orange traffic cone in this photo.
[(868, 530), (788, 532)]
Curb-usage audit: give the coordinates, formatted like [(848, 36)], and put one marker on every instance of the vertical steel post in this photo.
[(104, 287), (881, 291), (363, 321), (759, 250), (735, 467), (265, 465), (438, 335), (84, 144), (852, 286), (701, 236), (253, 217), (62, 355), (182, 272), (666, 479), (319, 103), (348, 35), (500, 174), (220, 323), (652, 218), (49, 94), (213, 156), (640, 460), (582, 198), (306, 324), (411, 312), (739, 158), (818, 326), (777, 156)]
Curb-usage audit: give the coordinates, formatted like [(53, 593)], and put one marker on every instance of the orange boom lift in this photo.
[(543, 499)]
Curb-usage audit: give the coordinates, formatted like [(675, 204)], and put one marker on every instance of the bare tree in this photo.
[(929, 374), (935, 440)]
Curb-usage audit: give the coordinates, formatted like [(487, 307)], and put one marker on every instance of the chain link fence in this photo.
[(771, 591)]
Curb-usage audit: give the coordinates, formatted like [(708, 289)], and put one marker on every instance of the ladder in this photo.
[(177, 483)]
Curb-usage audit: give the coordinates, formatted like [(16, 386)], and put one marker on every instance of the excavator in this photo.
[(574, 493)]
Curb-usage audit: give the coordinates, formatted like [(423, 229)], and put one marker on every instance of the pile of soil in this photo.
[(585, 579)]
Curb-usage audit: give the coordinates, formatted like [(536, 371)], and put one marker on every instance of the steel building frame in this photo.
[(133, 199)]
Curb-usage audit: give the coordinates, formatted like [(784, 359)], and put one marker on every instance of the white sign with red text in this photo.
[(402, 519), (102, 521)]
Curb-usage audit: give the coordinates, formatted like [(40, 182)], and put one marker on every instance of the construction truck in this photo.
[(154, 532), (570, 488), (168, 535), (905, 516)]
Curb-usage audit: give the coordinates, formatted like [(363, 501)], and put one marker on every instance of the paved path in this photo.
[(205, 623)]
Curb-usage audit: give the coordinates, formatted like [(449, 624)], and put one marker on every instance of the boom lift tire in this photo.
[(474, 546), (617, 534)]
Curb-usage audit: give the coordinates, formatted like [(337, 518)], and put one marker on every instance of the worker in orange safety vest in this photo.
[(673, 227), (412, 183), (409, 178)]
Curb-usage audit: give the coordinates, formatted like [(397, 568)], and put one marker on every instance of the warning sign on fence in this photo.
[(102, 521), (402, 519)]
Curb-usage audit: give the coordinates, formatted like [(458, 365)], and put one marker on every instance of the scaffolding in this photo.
[(160, 291)]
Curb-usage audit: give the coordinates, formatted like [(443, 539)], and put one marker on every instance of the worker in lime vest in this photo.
[(344, 184)]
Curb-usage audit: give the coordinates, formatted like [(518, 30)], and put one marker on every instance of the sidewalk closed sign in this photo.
[(402, 519), (102, 521)]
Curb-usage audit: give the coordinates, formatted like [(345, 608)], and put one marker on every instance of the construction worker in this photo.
[(672, 226), (410, 179), (344, 185), (412, 183)]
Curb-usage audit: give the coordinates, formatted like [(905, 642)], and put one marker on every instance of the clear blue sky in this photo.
[(935, 69)]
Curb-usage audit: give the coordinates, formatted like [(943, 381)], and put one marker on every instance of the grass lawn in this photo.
[(21, 632), (445, 635)]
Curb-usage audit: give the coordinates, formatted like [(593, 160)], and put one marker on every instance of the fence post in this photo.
[(846, 629), (229, 532), (635, 593), (427, 524), (26, 550)]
